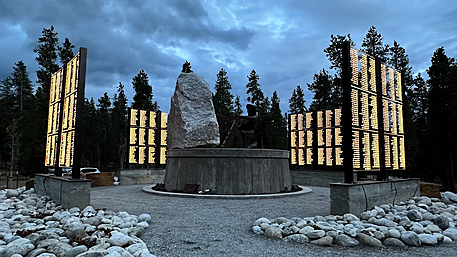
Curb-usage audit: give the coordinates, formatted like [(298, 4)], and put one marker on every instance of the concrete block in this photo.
[(66, 192), (360, 196)]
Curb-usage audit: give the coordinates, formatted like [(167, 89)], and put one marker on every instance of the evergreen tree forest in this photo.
[(431, 108)]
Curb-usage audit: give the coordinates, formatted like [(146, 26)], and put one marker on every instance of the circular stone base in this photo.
[(305, 190), (229, 171)]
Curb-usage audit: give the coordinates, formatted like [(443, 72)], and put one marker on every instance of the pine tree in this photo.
[(323, 88), (373, 45), (254, 92), (120, 123), (277, 127), (47, 57), (143, 93), (238, 108), (66, 51), (441, 122), (105, 130), (223, 99), (23, 86), (297, 101), (334, 51), (91, 133)]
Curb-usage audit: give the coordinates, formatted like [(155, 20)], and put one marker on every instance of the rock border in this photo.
[(417, 222)]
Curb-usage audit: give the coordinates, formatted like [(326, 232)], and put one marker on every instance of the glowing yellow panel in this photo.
[(319, 119), (385, 113), (338, 156), (309, 141), (402, 153), (309, 155), (293, 139), (163, 156), (164, 120), (141, 136), (293, 158), (400, 118), (132, 154), (163, 137), (151, 154), (301, 138), (328, 157), (355, 67), (394, 113), (133, 118), (372, 71), (355, 107), (133, 136), (366, 151), (374, 112), (328, 137), (388, 152), (328, 118), (356, 149), (338, 136), (375, 150), (399, 89), (320, 137), (395, 153), (364, 107), (301, 157), (151, 137), (152, 119), (141, 154), (300, 121), (309, 119), (293, 122), (143, 118), (363, 62), (337, 117), (383, 80), (320, 156), (391, 89)]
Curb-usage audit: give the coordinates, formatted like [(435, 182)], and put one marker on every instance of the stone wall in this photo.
[(358, 197), (66, 192)]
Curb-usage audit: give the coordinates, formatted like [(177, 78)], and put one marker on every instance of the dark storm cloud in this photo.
[(282, 40)]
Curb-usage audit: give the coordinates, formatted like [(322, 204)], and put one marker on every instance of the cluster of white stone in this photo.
[(416, 222), (34, 226)]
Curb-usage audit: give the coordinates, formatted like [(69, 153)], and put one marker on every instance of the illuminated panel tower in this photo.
[(65, 122)]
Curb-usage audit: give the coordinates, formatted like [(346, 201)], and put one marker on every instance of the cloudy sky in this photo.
[(282, 40)]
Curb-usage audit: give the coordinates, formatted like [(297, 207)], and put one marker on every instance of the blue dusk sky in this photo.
[(282, 40)]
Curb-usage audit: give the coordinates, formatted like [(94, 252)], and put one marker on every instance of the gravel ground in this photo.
[(218, 227)]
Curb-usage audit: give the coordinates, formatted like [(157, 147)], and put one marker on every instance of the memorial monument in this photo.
[(193, 162)]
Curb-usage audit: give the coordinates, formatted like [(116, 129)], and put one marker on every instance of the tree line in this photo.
[(431, 108), (431, 105)]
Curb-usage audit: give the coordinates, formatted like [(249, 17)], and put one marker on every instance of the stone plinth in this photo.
[(229, 171), (66, 192), (360, 196)]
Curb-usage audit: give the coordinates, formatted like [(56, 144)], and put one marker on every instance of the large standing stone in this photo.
[(192, 121)]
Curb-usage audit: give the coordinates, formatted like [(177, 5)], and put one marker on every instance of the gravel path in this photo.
[(217, 227)]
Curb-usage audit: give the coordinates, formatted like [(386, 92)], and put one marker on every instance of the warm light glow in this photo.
[(293, 139), (132, 154), (301, 138), (300, 121), (142, 136), (163, 155), (395, 152), (366, 151), (328, 118), (372, 71), (133, 136), (309, 140), (163, 124), (151, 154), (151, 137), (364, 81), (355, 108), (320, 137), (375, 149), (152, 119), (320, 156), (338, 156), (337, 117), (293, 122), (356, 149), (309, 119), (143, 118), (328, 157), (338, 137), (309, 155), (320, 123), (328, 137), (387, 145), (141, 154), (293, 158), (301, 157), (355, 67), (364, 110), (402, 153), (133, 118)]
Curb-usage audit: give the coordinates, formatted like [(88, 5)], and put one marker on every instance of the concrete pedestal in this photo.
[(228, 171), (358, 197), (66, 192)]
